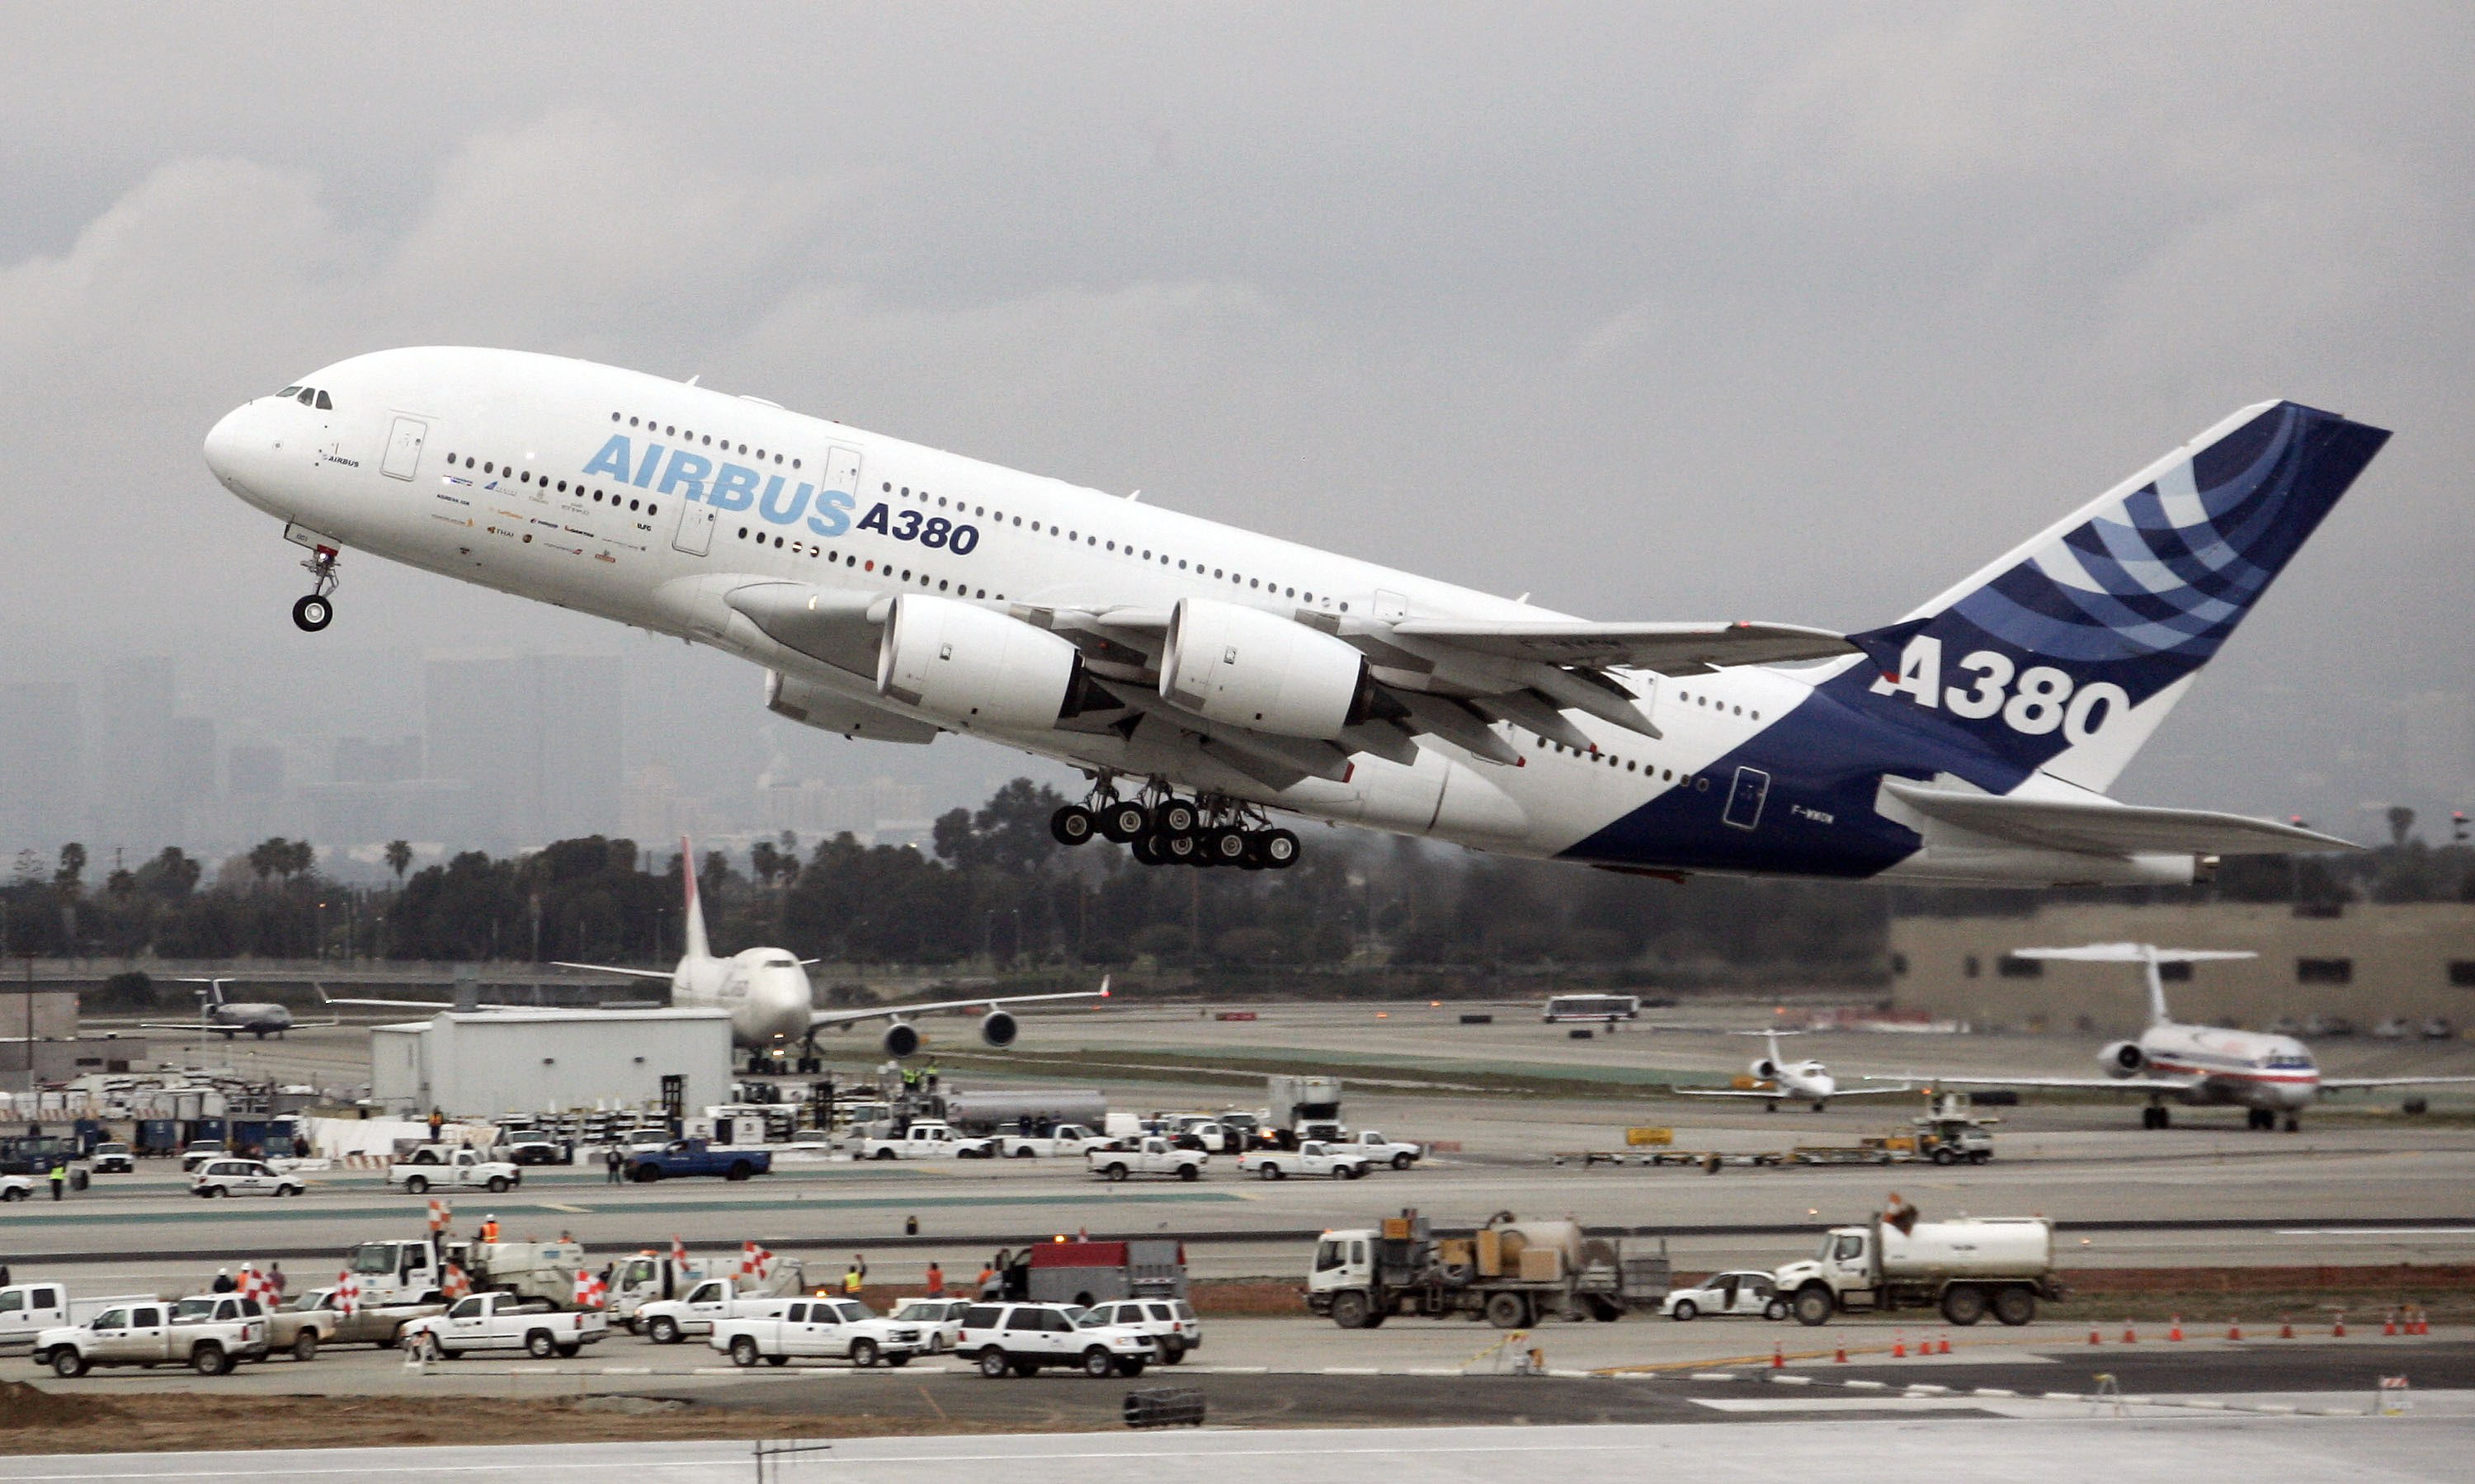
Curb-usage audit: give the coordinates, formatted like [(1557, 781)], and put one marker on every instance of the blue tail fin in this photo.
[(2065, 654)]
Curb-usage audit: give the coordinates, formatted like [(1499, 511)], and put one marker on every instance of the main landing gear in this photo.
[(315, 612), (1171, 830)]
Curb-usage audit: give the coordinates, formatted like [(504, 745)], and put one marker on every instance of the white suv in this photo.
[(1169, 1322), (244, 1178), (938, 1320), (1027, 1338)]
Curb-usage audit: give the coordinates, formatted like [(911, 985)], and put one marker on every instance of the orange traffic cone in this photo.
[(1842, 1357), (2338, 1330), (1778, 1361), (2175, 1333), (2285, 1329), (1946, 1346), (2234, 1330), (2388, 1322), (2092, 1335), (2130, 1336), (1899, 1347), (2422, 1325)]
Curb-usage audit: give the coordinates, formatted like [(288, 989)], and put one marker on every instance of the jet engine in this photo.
[(901, 1039), (1765, 1068), (999, 1029), (2123, 1058), (977, 667), (1242, 665)]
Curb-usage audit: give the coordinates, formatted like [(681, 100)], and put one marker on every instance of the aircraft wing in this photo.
[(2140, 1085), (2106, 828), (2357, 1083), (818, 1018), (1871, 1093), (1773, 1095), (1668, 648), (664, 974)]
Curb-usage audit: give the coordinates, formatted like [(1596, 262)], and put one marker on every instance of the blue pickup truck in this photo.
[(683, 1157)]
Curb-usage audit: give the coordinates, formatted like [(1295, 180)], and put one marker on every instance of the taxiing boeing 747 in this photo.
[(1208, 679)]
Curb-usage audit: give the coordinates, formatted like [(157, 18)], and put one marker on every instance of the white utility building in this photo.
[(482, 1064)]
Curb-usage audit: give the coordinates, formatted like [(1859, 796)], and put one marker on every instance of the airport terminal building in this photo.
[(484, 1064), (2376, 962)]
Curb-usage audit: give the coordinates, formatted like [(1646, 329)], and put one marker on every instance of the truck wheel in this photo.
[(1814, 1305), (993, 1364), (1401, 1161), (305, 1344), (1349, 1309), (418, 1185), (864, 1352), (1963, 1304), (498, 1185), (210, 1361), (1189, 1172), (540, 1345), (1026, 1151), (740, 1169), (1508, 1310), (1608, 1311), (1775, 1310), (664, 1330), (742, 1350), (2015, 1306), (1943, 1157), (885, 1154), (1173, 1349), (1115, 1171), (1280, 1172), (68, 1363), (1265, 1171), (1098, 1364), (1685, 1311)]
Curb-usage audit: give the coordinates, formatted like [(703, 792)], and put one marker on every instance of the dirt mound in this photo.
[(28, 1406)]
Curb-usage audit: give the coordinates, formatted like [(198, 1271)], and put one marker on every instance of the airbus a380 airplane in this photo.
[(1203, 675)]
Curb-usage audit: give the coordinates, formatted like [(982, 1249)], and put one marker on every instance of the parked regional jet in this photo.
[(2196, 1065), (1790, 1082), (1204, 677), (770, 1002), (218, 1016)]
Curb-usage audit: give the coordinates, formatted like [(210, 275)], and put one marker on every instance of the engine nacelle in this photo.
[(2123, 1058), (1766, 1069), (975, 667), (901, 1039), (999, 1029), (1252, 669)]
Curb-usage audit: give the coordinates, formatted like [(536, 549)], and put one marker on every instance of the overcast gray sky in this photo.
[(1789, 312)]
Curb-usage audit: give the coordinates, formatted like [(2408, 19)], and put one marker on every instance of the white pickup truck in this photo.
[(1150, 1154), (431, 1166), (504, 1322), (1379, 1150), (1312, 1157), (927, 1141), (669, 1320), (788, 1329), (143, 1334), (1066, 1138), (27, 1309)]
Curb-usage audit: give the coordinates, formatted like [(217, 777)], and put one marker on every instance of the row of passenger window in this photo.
[(672, 430), (526, 477)]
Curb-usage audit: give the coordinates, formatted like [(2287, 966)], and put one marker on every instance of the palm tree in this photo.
[(398, 859)]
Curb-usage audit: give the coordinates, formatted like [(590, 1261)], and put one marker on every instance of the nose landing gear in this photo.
[(315, 612)]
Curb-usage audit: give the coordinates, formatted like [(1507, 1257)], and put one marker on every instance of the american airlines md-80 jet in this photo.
[(1205, 678)]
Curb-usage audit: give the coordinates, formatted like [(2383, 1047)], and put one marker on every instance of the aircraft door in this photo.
[(403, 447), (695, 528), (1745, 797)]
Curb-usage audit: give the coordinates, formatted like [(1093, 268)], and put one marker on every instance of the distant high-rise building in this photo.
[(537, 738), (41, 776), (189, 760), (129, 737), (253, 771), (365, 760)]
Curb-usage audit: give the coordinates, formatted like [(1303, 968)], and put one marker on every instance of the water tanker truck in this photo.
[(1967, 1267), (1513, 1272)]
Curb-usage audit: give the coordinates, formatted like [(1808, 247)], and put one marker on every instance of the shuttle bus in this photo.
[(1608, 1008)]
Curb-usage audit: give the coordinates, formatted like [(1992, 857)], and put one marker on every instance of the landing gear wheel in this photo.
[(1071, 825), (2293, 1123), (1148, 850), (313, 613), (1226, 848), (1175, 849), (1280, 849), (1122, 823), (1173, 817)]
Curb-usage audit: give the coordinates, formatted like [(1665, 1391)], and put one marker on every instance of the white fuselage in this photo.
[(1800, 1080), (2240, 1068), (765, 989)]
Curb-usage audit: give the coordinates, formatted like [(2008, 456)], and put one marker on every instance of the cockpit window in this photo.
[(303, 398), (323, 406), (287, 391)]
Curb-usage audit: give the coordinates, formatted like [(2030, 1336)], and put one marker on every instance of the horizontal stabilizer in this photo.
[(1668, 648), (2132, 953), (2097, 828)]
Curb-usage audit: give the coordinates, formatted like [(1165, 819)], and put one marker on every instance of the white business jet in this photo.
[(1206, 678), (2265, 1074), (770, 1002), (1790, 1082), (228, 1018)]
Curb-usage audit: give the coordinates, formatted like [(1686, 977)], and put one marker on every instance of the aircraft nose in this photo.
[(224, 444)]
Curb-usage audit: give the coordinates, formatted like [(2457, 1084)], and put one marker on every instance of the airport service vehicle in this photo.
[(669, 1321), (414, 1270), (27, 1309), (1302, 1108), (1599, 1008), (766, 990), (244, 1178), (452, 1169), (1746, 1295), (113, 1158), (1204, 676), (199, 1153), (229, 1309), (15, 1187), (681, 1158), (938, 1321), (1087, 1273), (1379, 1150), (650, 1278), (1314, 1158), (504, 1322), (1151, 1154), (1004, 1111), (1968, 1267), (2268, 1075), (1513, 1272), (537, 1152), (1776, 1079), (1066, 1138), (1024, 1339), (1954, 1132), (1171, 1323), (926, 1139), (314, 1313), (143, 1334), (783, 1330)]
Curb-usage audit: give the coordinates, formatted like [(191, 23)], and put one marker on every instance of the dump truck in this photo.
[(1967, 1267), (1514, 1272), (1302, 1108)]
